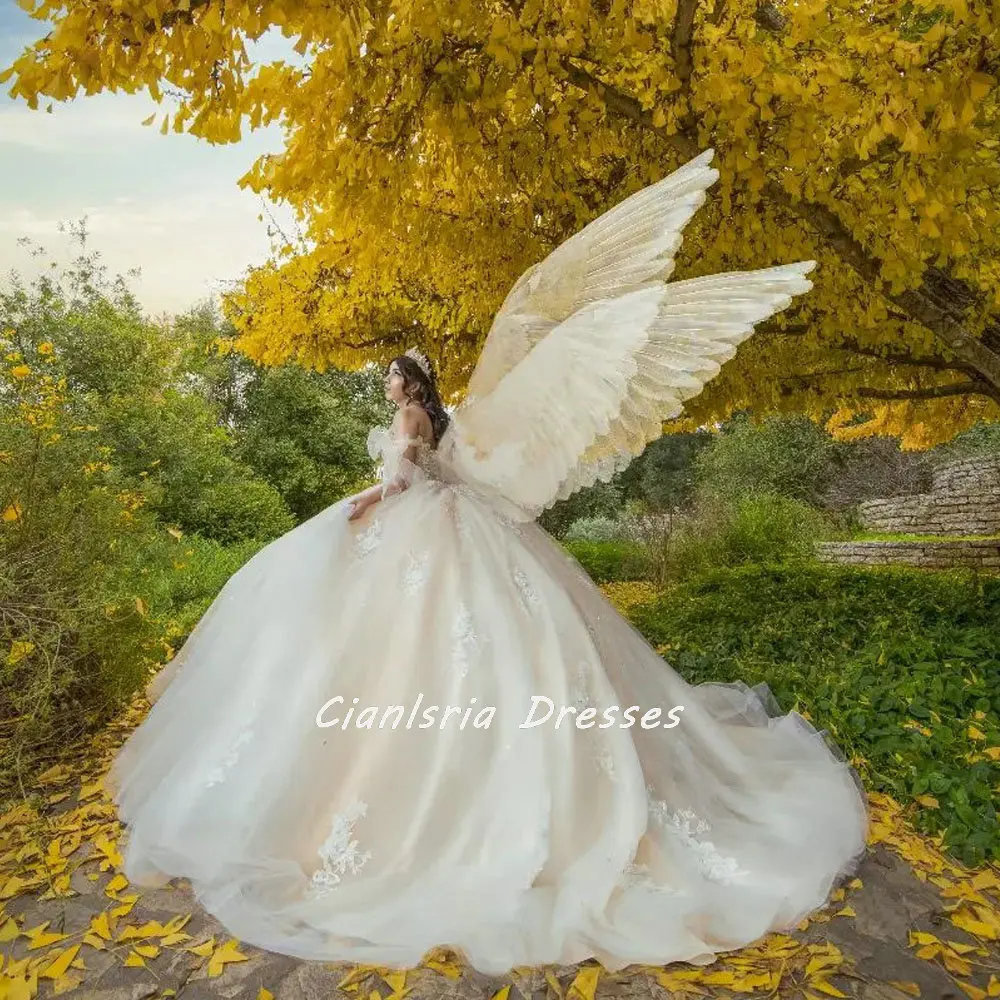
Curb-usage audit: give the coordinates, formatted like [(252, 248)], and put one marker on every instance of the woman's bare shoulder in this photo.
[(416, 422)]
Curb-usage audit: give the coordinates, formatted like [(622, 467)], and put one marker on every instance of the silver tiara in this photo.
[(421, 359)]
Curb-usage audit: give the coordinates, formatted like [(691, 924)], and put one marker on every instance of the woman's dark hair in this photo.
[(422, 389)]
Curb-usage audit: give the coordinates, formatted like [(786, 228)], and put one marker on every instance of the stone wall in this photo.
[(981, 554), (964, 499)]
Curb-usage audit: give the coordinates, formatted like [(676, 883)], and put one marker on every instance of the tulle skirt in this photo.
[(429, 727)]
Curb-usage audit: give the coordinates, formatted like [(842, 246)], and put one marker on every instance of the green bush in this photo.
[(75, 630), (785, 456), (237, 510), (611, 561), (902, 667), (761, 528), (599, 528), (599, 500)]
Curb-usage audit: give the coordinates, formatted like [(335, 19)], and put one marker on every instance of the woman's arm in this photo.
[(410, 428), (362, 501)]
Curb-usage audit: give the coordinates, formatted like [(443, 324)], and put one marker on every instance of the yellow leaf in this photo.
[(911, 989), (847, 911), (150, 119), (115, 885), (584, 985), (127, 903), (223, 956), (502, 994), (449, 969), (975, 734), (9, 930), (65, 984), (928, 801), (60, 965), (993, 987), (204, 949), (135, 961), (980, 84), (263, 994), (140, 606), (824, 987), (40, 938), (147, 950), (13, 887), (965, 921), (554, 983), (152, 928), (396, 981), (19, 649), (973, 992)]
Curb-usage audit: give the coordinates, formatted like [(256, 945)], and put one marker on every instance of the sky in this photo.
[(168, 205)]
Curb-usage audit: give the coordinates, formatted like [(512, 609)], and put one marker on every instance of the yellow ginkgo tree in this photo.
[(436, 148)]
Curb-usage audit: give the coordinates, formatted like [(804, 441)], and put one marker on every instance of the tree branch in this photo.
[(681, 41), (919, 304), (972, 387), (902, 357)]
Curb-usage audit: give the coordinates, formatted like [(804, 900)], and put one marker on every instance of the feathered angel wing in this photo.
[(629, 244), (593, 350)]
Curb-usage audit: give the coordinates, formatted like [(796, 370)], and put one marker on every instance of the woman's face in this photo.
[(394, 385)]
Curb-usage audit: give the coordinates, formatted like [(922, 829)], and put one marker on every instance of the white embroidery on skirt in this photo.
[(606, 764), (464, 640), (580, 692), (416, 573), (687, 827), (638, 876), (462, 524), (218, 774), (529, 596), (340, 853), (368, 539), (478, 498)]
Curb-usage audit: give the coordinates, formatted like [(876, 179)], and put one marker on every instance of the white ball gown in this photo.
[(340, 758)]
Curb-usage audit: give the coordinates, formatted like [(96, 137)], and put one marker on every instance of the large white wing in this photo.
[(626, 246), (610, 355)]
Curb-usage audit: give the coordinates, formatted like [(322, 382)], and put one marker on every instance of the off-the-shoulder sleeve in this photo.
[(378, 441)]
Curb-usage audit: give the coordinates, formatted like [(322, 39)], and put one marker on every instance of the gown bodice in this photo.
[(440, 465), (389, 444)]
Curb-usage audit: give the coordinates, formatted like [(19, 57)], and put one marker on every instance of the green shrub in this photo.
[(761, 528), (781, 455), (599, 528), (237, 510), (902, 667), (611, 561)]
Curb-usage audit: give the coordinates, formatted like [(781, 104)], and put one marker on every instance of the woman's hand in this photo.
[(396, 486), (358, 508), (360, 502)]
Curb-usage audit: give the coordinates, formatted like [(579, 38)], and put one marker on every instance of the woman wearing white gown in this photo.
[(288, 768)]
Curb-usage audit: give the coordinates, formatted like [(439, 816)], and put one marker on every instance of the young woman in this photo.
[(414, 720)]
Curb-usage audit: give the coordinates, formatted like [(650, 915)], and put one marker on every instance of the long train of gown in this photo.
[(515, 846)]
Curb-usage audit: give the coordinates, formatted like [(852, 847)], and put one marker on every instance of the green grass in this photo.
[(902, 668)]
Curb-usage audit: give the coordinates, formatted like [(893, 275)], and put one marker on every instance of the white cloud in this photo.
[(186, 246), (169, 205), (75, 124)]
